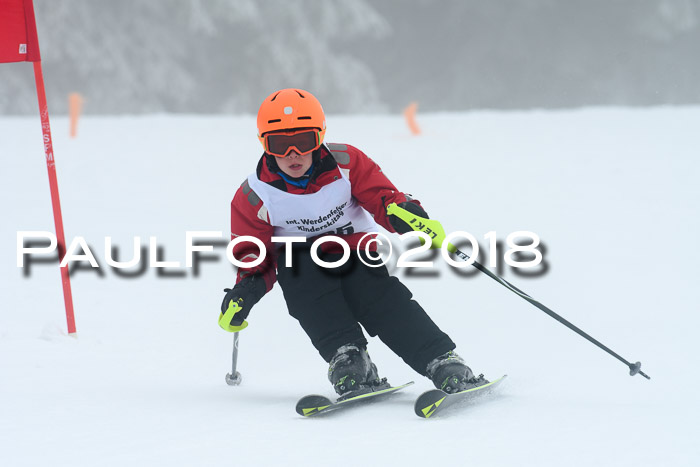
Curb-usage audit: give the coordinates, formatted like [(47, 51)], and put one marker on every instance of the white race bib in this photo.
[(331, 210)]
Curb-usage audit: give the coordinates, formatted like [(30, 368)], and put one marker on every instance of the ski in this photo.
[(434, 401), (312, 405)]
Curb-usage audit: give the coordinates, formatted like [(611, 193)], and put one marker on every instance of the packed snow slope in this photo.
[(612, 193)]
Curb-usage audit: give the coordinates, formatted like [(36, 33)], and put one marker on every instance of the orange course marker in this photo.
[(75, 106), (410, 114)]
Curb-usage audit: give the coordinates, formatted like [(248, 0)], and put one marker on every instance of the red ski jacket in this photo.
[(369, 186)]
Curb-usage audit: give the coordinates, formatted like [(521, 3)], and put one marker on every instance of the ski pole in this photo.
[(234, 378), (435, 230), (227, 323)]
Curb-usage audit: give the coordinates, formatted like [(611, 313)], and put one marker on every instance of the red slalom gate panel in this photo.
[(18, 38)]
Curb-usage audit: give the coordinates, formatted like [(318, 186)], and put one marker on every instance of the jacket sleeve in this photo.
[(249, 217), (372, 189)]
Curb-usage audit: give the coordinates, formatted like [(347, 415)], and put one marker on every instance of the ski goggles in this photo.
[(280, 144)]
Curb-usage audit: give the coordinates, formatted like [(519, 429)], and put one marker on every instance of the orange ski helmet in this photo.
[(290, 109)]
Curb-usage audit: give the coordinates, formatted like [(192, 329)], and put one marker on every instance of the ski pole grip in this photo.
[(431, 227), (227, 322)]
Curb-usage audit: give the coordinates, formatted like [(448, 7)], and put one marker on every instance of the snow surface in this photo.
[(613, 194)]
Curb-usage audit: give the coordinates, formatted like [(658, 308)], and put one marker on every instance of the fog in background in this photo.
[(225, 56)]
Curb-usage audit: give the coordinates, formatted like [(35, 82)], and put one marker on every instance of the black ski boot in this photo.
[(451, 374), (352, 372)]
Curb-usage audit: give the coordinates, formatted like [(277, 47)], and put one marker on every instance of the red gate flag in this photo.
[(18, 39), (19, 43)]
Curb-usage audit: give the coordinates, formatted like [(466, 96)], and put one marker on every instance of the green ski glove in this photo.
[(420, 224)]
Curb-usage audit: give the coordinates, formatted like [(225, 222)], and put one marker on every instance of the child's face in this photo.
[(294, 164)]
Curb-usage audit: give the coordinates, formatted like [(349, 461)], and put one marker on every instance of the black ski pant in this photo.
[(331, 304)]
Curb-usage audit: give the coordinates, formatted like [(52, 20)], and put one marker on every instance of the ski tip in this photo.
[(309, 406), (430, 401), (427, 406), (312, 404), (310, 411)]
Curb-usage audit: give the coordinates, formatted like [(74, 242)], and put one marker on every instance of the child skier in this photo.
[(304, 188)]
